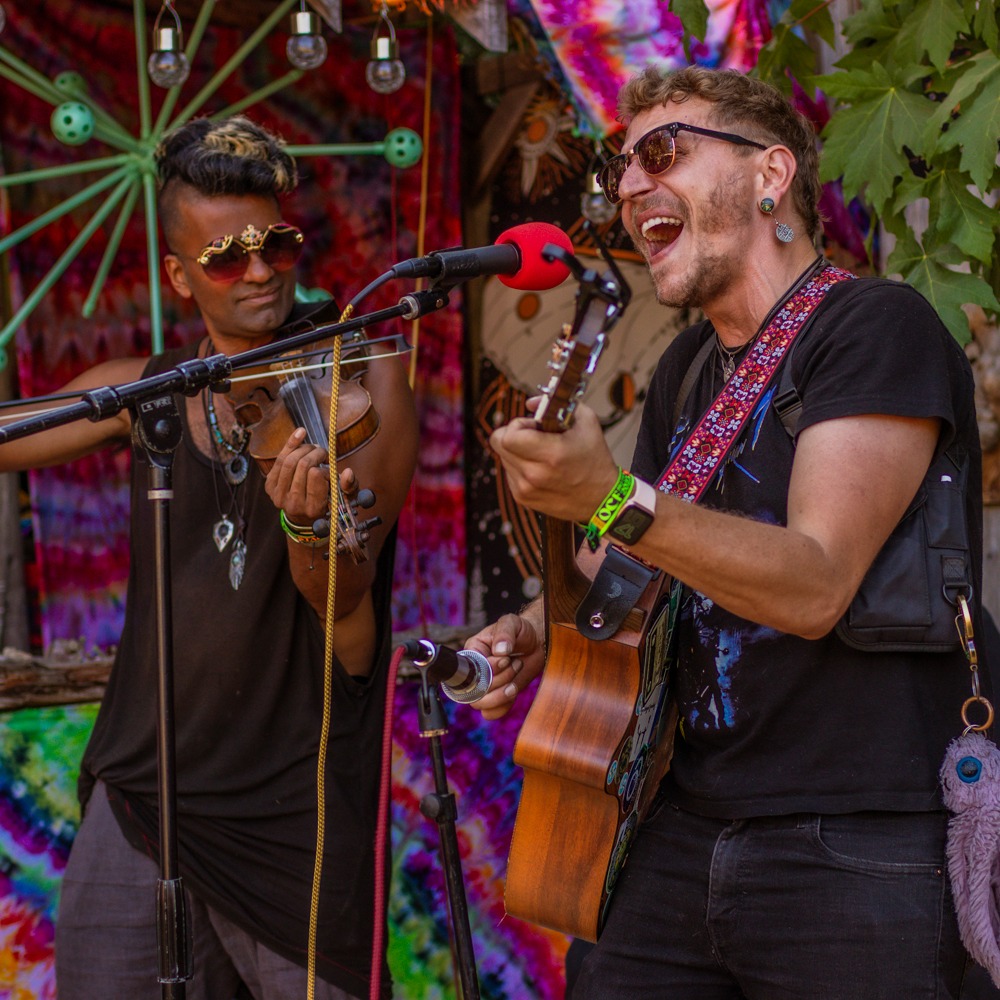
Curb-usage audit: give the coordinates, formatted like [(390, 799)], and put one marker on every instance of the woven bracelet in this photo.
[(299, 534)]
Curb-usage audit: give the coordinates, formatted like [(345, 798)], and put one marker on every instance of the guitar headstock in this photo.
[(599, 304), (572, 363)]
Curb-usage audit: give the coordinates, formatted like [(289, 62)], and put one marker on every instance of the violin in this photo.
[(293, 390)]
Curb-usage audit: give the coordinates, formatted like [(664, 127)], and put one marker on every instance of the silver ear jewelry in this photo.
[(782, 230)]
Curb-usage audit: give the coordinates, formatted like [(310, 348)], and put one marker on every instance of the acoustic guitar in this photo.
[(598, 736)]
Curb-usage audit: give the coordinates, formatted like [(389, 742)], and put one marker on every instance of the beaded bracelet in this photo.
[(303, 536), (609, 508)]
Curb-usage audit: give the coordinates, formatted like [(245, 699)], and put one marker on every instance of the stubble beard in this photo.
[(724, 210)]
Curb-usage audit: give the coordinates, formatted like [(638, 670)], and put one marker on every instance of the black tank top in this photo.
[(248, 683)]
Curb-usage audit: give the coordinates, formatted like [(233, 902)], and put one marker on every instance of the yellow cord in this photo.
[(424, 181), (327, 680)]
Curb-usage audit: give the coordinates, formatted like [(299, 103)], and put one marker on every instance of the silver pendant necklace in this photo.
[(226, 531), (728, 358), (234, 466)]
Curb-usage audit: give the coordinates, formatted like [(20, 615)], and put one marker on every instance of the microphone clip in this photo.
[(431, 716), (428, 300), (609, 287)]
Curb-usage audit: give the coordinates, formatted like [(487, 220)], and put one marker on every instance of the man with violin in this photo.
[(796, 845), (249, 578)]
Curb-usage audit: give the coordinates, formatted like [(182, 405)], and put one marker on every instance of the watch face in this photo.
[(631, 523)]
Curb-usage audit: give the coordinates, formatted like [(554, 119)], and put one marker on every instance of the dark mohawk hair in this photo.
[(232, 156)]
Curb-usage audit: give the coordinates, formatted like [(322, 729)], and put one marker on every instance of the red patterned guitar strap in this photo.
[(700, 457)]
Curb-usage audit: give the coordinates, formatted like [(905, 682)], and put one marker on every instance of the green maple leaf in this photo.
[(693, 16), (947, 290), (864, 142), (932, 27), (811, 16), (963, 79), (984, 21), (960, 217), (785, 55), (872, 22), (977, 128), (871, 33)]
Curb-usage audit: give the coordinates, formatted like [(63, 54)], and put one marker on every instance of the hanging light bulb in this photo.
[(385, 73), (168, 66), (306, 47), (593, 205)]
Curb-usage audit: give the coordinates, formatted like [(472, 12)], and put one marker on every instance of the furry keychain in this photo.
[(970, 785), (970, 781)]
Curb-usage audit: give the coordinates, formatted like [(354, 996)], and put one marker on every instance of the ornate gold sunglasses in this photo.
[(225, 259), (656, 152)]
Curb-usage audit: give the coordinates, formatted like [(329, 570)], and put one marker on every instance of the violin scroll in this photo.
[(352, 534)]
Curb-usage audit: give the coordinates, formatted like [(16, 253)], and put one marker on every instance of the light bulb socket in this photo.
[(166, 40), (304, 22), (384, 48)]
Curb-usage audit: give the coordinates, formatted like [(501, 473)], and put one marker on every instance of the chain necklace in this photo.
[(235, 467), (231, 526), (728, 356)]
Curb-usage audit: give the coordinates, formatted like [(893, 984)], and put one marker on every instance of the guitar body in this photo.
[(593, 747)]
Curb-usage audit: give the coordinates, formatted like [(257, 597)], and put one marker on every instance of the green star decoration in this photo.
[(130, 171)]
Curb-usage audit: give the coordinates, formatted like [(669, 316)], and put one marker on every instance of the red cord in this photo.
[(382, 829)]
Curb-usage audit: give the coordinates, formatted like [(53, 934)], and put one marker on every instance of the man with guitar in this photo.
[(795, 848), (257, 699)]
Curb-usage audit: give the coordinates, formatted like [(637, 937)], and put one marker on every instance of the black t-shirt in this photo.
[(248, 683), (772, 723)]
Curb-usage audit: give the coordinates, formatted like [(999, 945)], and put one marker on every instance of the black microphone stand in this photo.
[(156, 427), (439, 805)]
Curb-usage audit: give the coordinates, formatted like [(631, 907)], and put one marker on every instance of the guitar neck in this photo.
[(572, 363)]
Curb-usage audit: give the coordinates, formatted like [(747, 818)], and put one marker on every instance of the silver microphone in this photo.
[(464, 674)]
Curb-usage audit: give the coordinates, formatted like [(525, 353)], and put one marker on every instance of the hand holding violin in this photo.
[(299, 481)]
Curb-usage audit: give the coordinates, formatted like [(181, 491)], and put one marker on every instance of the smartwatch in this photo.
[(635, 515)]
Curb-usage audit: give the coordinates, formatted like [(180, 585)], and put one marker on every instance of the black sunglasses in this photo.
[(656, 152)]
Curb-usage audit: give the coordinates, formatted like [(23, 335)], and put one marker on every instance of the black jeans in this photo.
[(805, 907)]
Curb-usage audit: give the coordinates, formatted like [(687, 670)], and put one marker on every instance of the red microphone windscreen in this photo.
[(535, 273)]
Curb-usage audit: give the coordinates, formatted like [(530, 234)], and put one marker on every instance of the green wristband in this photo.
[(609, 508), (299, 534)]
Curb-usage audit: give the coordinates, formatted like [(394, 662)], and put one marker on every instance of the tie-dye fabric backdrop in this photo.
[(361, 216), (598, 44)]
